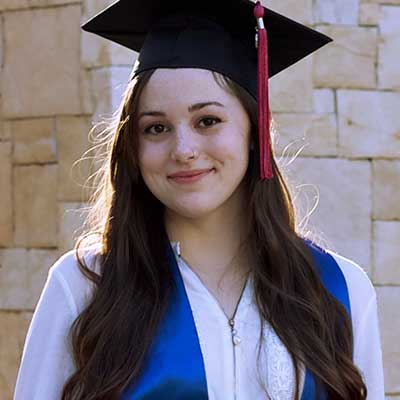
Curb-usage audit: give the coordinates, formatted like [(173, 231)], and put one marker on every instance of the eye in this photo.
[(209, 121), (157, 131)]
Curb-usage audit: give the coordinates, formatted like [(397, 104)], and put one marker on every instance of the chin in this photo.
[(194, 210)]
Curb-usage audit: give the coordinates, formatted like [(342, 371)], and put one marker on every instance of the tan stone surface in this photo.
[(87, 100), (389, 48), (35, 189), (386, 252), (49, 83), (292, 89), (18, 4), (72, 140), (5, 131), (324, 101), (342, 216), (315, 134), (1, 42), (38, 263), (336, 11), (349, 61), (34, 141), (369, 123), (99, 52), (100, 79), (13, 329), (119, 78), (6, 204), (381, 1), (299, 10), (71, 219), (389, 315), (108, 86), (13, 279), (386, 192), (369, 14), (22, 276)]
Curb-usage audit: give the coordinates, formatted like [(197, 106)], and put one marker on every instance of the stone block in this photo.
[(336, 12), (39, 262), (96, 51), (13, 329), (381, 1), (292, 89), (34, 141), (109, 85), (389, 315), (87, 104), (386, 193), (369, 123), (120, 55), (299, 10), (119, 79), (49, 83), (324, 101), (6, 202), (349, 61), (14, 279), (35, 189), (100, 79), (92, 7), (369, 14), (386, 251), (1, 42), (23, 274), (72, 217), (389, 48), (72, 140), (342, 218), (5, 131), (315, 134), (21, 4)]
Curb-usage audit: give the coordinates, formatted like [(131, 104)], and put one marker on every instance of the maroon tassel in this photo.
[(263, 96)]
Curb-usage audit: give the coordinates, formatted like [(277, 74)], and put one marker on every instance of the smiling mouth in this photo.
[(192, 178)]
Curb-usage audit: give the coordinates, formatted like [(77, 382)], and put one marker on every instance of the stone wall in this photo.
[(340, 106)]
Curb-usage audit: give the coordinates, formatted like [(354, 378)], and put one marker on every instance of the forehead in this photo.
[(183, 85)]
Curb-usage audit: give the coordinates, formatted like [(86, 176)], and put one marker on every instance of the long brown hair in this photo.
[(111, 336)]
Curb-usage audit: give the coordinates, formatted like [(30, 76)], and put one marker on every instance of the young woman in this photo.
[(200, 284)]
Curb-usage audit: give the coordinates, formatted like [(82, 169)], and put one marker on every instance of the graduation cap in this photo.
[(238, 38)]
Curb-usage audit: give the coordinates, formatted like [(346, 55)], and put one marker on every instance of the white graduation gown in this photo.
[(231, 370)]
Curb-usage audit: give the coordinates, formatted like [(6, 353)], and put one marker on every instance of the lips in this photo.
[(186, 174)]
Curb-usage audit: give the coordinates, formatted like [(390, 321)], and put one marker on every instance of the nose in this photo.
[(186, 146)]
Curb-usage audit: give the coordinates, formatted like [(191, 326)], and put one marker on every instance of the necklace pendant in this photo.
[(236, 340)]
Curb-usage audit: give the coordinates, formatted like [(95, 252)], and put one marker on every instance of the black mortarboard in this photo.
[(217, 35)]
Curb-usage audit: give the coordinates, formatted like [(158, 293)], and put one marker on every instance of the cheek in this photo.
[(231, 148), (151, 157)]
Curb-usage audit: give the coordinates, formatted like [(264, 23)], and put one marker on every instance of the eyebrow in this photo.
[(194, 107)]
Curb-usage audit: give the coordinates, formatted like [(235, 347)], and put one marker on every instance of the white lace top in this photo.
[(231, 369)]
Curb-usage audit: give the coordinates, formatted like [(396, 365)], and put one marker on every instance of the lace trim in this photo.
[(281, 378)]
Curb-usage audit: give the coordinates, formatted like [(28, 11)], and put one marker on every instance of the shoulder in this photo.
[(367, 353), (362, 294), (358, 282), (66, 270)]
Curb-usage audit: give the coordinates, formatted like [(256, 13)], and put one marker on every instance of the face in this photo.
[(187, 123)]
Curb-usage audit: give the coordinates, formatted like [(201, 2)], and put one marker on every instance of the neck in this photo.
[(213, 245)]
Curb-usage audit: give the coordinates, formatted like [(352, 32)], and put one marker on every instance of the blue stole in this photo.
[(174, 367)]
